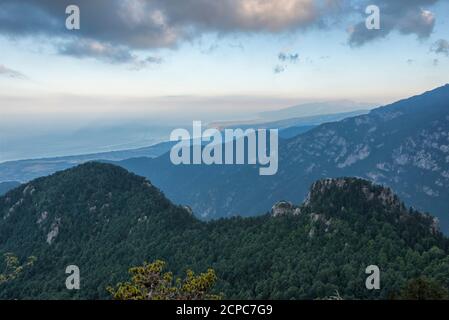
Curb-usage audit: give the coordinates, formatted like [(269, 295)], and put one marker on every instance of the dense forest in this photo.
[(105, 220)]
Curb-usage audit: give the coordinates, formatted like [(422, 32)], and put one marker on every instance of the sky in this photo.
[(175, 60)]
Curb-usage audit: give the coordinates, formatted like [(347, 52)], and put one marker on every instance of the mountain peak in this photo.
[(357, 203), (92, 192), (349, 190), (106, 219), (427, 103)]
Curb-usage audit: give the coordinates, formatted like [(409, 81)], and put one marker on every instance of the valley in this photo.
[(403, 145)]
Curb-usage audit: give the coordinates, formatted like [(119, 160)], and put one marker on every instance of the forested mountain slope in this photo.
[(404, 145), (104, 220)]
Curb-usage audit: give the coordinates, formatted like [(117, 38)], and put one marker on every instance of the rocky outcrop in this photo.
[(283, 208)]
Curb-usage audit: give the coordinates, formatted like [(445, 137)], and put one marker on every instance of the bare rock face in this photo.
[(29, 190), (435, 226), (43, 216), (54, 231), (188, 209), (282, 208)]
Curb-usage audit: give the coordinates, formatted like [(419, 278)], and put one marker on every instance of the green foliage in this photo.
[(12, 267), (148, 282), (110, 220), (423, 288)]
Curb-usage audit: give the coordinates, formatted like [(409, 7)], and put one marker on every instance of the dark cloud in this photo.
[(441, 46), (146, 24), (132, 23), (226, 16), (111, 30), (10, 73), (106, 52), (124, 26), (28, 17), (90, 48), (404, 16)]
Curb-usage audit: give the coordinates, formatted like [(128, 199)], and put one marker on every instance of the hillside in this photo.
[(404, 145), (105, 219), (26, 170)]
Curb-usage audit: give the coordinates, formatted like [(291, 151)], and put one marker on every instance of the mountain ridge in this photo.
[(28, 169), (315, 108), (404, 145), (104, 220), (5, 186)]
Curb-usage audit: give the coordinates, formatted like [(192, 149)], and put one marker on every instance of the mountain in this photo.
[(104, 220), (291, 132), (404, 145), (8, 185), (315, 109), (26, 170), (286, 123), (289, 128)]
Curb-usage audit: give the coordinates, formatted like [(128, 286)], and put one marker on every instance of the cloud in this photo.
[(210, 49), (122, 27), (139, 64), (245, 15), (239, 46), (404, 16), (288, 57), (131, 23), (103, 51), (10, 73), (111, 30), (92, 48), (441, 46), (146, 24), (279, 69), (285, 58)]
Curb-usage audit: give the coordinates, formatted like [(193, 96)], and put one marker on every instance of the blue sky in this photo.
[(177, 61), (214, 65)]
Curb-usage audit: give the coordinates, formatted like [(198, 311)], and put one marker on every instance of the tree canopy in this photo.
[(150, 282)]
